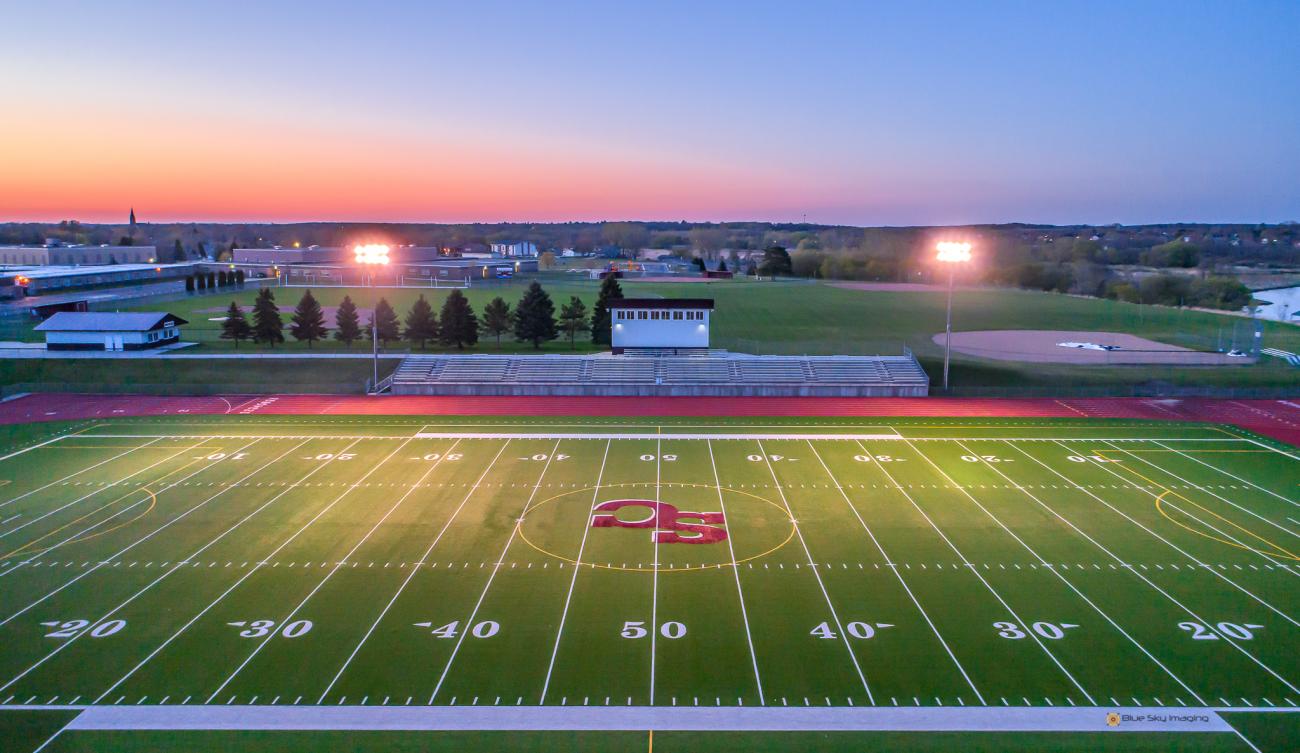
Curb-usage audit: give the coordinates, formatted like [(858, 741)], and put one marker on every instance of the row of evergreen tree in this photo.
[(214, 280), (533, 319)]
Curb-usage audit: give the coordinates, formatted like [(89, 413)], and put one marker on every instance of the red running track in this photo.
[(1279, 419)]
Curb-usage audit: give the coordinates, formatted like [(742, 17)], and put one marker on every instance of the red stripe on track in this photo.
[(1279, 419)]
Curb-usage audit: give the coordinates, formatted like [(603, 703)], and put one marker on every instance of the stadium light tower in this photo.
[(369, 257), (951, 253)]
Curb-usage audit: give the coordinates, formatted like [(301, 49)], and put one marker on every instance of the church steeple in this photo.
[(132, 217)]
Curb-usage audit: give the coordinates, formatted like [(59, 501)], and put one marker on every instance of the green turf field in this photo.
[(963, 569)]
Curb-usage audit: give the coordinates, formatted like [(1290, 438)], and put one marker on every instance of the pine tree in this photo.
[(610, 290), (308, 320), (457, 325), (202, 281), (535, 317), (267, 326), (212, 281), (496, 318), (347, 324), (384, 320), (722, 265), (178, 251), (573, 318), (239, 277), (421, 326), (189, 283), (235, 327)]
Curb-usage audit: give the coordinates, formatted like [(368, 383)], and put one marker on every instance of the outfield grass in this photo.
[(391, 561)]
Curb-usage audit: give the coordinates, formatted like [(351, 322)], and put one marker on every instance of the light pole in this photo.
[(950, 253), (369, 257)]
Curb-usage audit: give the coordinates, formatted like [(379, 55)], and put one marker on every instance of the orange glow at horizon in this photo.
[(214, 170)]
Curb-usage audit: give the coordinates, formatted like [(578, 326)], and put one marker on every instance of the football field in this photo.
[(976, 576)]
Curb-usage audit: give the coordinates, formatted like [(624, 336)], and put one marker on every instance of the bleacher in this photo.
[(705, 374)]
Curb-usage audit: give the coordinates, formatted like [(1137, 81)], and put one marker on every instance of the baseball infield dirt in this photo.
[(1041, 346)]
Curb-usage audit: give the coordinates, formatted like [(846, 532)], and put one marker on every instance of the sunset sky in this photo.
[(855, 112)]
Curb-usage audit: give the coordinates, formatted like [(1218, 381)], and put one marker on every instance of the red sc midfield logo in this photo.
[(665, 519)]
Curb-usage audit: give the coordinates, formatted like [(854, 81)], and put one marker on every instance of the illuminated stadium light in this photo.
[(952, 251), (370, 253)]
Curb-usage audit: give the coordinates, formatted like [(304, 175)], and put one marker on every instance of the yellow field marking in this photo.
[(1198, 452), (153, 502), (733, 563), (102, 507), (127, 447), (1279, 551)]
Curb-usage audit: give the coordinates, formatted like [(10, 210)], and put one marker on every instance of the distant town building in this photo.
[(514, 248), (60, 255)]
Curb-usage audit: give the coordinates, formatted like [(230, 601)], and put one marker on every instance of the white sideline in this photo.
[(431, 718), (642, 435)]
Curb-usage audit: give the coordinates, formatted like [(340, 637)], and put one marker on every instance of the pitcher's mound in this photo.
[(1096, 348)]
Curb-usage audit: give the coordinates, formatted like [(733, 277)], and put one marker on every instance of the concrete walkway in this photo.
[(615, 718)]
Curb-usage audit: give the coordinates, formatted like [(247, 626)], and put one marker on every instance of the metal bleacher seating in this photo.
[(702, 373)]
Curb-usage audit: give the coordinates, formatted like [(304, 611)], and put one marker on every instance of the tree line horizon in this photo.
[(532, 319)]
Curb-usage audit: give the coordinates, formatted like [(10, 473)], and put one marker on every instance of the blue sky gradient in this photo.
[(859, 113)]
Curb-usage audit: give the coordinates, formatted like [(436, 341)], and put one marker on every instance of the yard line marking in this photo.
[(1129, 484), (82, 532), (152, 533), (410, 575), (1212, 494), (740, 593), (39, 445), (341, 563), (74, 473), (496, 567), (577, 567), (844, 636), (880, 548), (244, 577), (99, 489), (1209, 626), (654, 588), (970, 567), (1056, 571), (123, 604), (1230, 475)]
